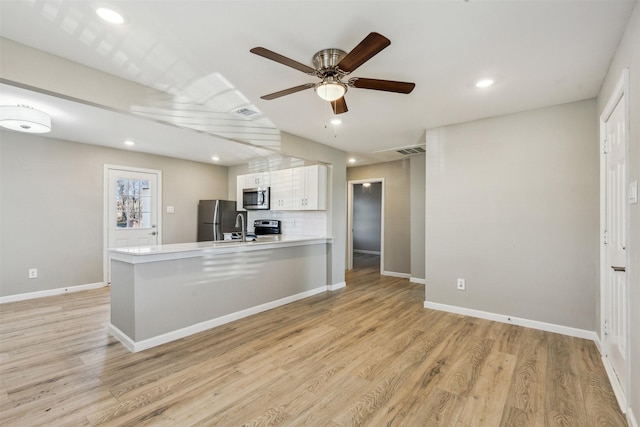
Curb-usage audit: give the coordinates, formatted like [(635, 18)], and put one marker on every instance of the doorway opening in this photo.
[(365, 241)]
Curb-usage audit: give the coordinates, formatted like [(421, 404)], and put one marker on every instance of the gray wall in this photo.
[(367, 217), (397, 191), (628, 55), (512, 207), (52, 207), (418, 163), (303, 148)]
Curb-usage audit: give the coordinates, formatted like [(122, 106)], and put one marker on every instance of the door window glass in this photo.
[(133, 203)]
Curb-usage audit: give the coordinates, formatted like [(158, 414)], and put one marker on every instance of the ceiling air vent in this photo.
[(410, 150), (245, 112)]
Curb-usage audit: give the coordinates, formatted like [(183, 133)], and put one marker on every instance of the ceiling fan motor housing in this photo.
[(326, 62)]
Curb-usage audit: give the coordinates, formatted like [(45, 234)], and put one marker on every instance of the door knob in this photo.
[(153, 233)]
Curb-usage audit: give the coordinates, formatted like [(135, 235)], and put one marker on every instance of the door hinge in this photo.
[(604, 328), (605, 146), (605, 236)]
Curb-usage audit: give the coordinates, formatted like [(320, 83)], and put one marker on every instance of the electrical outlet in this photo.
[(33, 273), (461, 285)]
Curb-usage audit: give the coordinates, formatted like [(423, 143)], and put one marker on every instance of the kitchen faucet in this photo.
[(240, 219)]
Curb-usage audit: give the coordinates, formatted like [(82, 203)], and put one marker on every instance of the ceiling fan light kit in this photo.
[(331, 66), (331, 89), (23, 118)]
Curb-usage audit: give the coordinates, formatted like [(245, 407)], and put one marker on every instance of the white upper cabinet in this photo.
[(282, 190), (257, 180), (295, 189), (310, 188)]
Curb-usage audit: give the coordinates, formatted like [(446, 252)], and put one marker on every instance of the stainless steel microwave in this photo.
[(255, 198)]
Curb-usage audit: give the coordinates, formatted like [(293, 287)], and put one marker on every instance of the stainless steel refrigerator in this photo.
[(216, 217)]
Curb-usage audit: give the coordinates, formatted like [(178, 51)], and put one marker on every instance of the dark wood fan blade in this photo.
[(266, 53), (288, 91), (339, 106), (386, 85), (367, 49)]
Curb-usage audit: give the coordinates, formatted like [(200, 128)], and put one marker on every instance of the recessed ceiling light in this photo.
[(110, 15), (336, 121), (129, 143), (215, 158), (484, 83), (352, 160)]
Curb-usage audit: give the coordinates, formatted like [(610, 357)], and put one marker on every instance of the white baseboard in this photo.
[(598, 344), (632, 419), (418, 280), (50, 292), (394, 274), (136, 346), (336, 286), (615, 384), (534, 324)]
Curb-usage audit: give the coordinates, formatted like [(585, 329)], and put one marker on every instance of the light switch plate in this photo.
[(170, 209), (633, 192)]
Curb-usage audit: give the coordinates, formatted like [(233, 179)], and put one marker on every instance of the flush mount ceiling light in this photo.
[(352, 160), (330, 89), (336, 122), (484, 83), (110, 15), (24, 119), (129, 143), (215, 158)]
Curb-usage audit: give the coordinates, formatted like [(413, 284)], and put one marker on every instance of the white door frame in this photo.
[(621, 90), (350, 186), (105, 210)]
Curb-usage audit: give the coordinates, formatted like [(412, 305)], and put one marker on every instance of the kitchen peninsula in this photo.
[(165, 292)]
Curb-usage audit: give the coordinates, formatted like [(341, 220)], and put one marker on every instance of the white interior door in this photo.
[(615, 290), (132, 207)]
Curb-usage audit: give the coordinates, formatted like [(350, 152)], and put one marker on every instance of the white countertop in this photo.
[(141, 254)]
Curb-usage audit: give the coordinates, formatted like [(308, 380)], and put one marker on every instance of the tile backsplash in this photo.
[(294, 222)]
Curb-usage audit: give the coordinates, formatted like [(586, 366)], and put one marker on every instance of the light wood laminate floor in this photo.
[(369, 354)]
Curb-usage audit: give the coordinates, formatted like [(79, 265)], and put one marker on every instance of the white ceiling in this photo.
[(540, 53)]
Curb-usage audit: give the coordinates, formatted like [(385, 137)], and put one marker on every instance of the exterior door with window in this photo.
[(132, 208)]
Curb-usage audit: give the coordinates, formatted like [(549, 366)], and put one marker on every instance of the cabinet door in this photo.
[(240, 185), (299, 192), (281, 190), (315, 187), (258, 180)]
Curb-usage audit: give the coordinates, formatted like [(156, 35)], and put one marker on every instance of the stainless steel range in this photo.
[(266, 226)]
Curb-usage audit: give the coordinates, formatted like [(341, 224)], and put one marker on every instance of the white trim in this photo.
[(105, 212), (136, 346), (418, 280), (350, 185), (615, 384), (598, 344), (395, 274), (622, 89), (534, 324), (631, 418), (336, 286), (362, 251), (51, 292)]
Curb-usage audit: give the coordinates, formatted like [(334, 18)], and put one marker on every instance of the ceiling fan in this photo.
[(331, 66)]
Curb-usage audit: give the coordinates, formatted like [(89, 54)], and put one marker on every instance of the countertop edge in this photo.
[(194, 250)]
